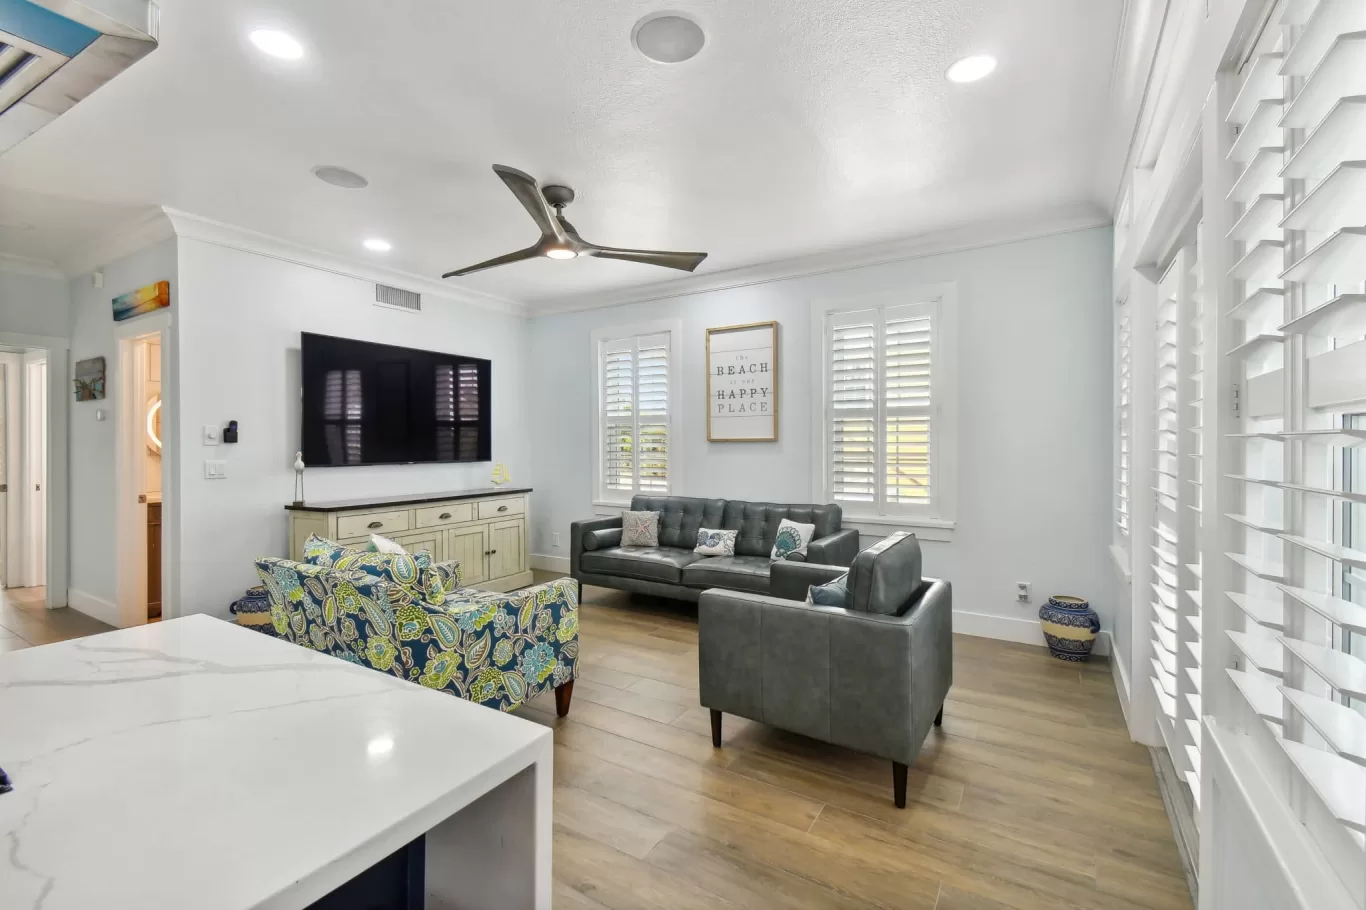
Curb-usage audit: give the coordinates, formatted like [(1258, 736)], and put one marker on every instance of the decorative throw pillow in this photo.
[(831, 594), (715, 543), (385, 545), (791, 539), (319, 551), (640, 529)]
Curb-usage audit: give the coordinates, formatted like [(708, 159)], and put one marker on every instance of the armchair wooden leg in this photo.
[(716, 728), (899, 784), (939, 718), (563, 694)]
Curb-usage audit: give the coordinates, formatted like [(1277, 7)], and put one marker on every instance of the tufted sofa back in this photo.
[(756, 522), (681, 516)]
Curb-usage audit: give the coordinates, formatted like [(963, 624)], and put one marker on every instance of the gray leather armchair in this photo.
[(871, 676)]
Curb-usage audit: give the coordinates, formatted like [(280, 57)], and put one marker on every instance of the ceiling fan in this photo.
[(559, 240)]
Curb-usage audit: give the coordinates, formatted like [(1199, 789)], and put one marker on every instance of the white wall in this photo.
[(239, 360), (33, 304), (1034, 419), (94, 333)]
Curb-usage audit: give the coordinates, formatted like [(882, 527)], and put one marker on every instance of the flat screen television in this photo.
[(368, 404)]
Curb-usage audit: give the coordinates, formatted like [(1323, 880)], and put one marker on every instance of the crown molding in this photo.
[(969, 237), (147, 229), (25, 265), (195, 227)]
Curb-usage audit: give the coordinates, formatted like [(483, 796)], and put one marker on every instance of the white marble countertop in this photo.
[(196, 764)]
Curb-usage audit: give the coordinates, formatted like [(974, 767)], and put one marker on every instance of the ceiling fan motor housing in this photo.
[(558, 196)]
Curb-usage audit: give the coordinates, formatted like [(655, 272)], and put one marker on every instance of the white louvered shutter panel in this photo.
[(618, 415), (1299, 566), (908, 342), (652, 408), (1125, 429), (1164, 543), (852, 403)]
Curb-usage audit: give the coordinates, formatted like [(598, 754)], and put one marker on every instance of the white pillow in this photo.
[(715, 543), (791, 539), (385, 545)]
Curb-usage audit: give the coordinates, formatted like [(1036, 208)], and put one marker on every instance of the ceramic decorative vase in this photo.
[(1069, 626)]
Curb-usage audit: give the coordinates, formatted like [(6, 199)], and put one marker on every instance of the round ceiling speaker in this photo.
[(340, 176), (668, 37)]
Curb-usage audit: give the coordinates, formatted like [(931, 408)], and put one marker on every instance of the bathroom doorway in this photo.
[(140, 487)]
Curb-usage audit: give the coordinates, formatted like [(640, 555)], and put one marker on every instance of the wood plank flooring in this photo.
[(1030, 796), (25, 622)]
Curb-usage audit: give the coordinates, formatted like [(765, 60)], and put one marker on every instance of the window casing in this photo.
[(888, 432)]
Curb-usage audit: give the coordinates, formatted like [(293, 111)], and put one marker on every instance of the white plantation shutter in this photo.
[(635, 414), (880, 408)]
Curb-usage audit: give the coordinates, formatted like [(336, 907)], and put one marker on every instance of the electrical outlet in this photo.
[(555, 539), (1022, 591)]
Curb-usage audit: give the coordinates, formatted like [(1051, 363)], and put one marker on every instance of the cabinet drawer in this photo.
[(435, 516), (367, 523), (502, 508)]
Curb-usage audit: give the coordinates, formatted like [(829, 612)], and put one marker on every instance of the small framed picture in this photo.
[(742, 383)]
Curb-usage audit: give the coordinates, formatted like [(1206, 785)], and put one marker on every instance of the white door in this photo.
[(4, 477), (36, 470)]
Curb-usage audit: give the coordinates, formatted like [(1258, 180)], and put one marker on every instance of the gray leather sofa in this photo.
[(871, 676), (673, 570)]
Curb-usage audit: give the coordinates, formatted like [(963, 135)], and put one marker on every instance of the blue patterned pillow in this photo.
[(715, 543), (791, 539), (831, 594)]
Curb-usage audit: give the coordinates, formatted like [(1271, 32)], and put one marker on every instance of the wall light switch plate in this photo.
[(212, 436), (215, 470)]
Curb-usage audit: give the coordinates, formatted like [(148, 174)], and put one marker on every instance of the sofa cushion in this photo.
[(681, 516), (758, 523), (885, 577), (738, 573), (648, 563)]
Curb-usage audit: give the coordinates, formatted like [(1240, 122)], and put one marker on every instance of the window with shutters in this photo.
[(636, 413), (888, 438)]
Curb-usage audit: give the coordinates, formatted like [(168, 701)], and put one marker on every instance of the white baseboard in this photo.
[(1007, 628), (94, 607), (550, 563), (1121, 677)]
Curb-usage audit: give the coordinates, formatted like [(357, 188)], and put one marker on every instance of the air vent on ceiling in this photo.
[(398, 298)]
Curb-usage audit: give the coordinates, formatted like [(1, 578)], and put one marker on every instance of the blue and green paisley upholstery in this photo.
[(413, 573), (495, 649)]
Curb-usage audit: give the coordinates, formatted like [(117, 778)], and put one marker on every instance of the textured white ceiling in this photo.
[(803, 126)]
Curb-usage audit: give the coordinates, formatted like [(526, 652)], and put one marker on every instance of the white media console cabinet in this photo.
[(486, 530)]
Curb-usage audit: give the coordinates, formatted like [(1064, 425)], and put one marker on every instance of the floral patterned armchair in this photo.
[(499, 650)]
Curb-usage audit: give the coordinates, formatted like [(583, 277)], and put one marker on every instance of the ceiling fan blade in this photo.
[(530, 252), (524, 187), (683, 261)]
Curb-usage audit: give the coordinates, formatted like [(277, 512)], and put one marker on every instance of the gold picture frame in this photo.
[(742, 399)]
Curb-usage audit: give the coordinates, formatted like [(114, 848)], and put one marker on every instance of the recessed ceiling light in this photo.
[(970, 69), (668, 37), (340, 176), (560, 253), (277, 44), (376, 245)]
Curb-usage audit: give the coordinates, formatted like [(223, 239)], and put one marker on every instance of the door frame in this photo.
[(11, 505), (58, 571), (37, 391), (130, 471)]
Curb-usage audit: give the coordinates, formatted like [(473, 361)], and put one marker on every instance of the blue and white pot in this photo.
[(1069, 626)]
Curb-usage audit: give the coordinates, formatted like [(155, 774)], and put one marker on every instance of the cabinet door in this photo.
[(417, 541), (506, 553), (469, 545)]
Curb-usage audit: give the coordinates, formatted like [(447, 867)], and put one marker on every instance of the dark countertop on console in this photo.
[(342, 505)]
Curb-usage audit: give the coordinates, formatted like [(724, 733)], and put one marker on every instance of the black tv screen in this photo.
[(368, 403)]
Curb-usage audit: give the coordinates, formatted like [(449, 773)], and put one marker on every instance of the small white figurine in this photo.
[(298, 478)]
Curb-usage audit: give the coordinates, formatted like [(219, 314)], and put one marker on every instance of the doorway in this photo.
[(140, 439), (35, 467)]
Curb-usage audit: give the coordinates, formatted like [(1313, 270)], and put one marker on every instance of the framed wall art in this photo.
[(742, 383)]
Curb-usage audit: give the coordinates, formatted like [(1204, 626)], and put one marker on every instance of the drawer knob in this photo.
[(375, 524), (444, 515), (493, 552), (502, 508)]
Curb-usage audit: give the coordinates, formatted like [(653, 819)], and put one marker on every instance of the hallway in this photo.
[(24, 621)]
